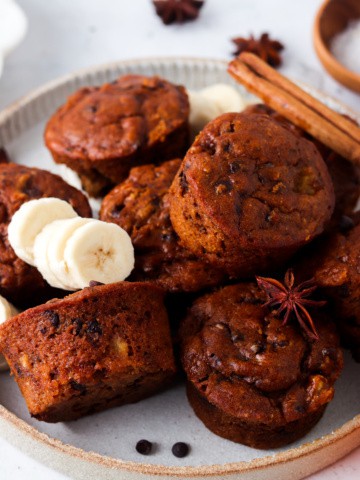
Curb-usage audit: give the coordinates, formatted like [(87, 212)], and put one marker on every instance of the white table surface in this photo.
[(65, 35)]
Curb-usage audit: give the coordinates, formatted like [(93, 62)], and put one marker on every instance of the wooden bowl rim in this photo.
[(324, 53)]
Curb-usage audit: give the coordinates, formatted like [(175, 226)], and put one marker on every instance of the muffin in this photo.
[(335, 265), (104, 346), (21, 283), (249, 194), (345, 175), (101, 132), (140, 206), (251, 379)]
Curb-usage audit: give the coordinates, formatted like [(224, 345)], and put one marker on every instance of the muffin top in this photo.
[(244, 361), (255, 181), (117, 119), (345, 175)]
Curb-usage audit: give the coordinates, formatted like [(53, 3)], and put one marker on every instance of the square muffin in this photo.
[(103, 346)]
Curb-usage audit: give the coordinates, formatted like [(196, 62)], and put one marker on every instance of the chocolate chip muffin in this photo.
[(21, 283), (103, 346), (335, 266), (345, 175), (249, 194), (140, 206), (251, 379), (101, 132)]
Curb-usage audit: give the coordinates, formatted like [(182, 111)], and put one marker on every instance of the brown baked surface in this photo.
[(100, 347), (335, 266), (250, 193), (21, 283), (252, 380), (101, 132), (140, 206), (345, 175)]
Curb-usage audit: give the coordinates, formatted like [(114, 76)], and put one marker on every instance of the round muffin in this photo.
[(103, 346), (101, 132), (249, 194), (345, 175), (335, 265), (21, 283), (251, 379), (140, 206)]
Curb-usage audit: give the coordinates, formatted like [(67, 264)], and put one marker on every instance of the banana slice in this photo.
[(210, 102), (201, 111), (49, 249), (30, 219), (98, 251), (7, 310), (225, 97)]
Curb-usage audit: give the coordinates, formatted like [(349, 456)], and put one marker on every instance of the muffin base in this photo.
[(253, 435)]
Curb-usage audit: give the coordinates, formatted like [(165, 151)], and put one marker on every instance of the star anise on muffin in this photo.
[(177, 11), (291, 300), (264, 47)]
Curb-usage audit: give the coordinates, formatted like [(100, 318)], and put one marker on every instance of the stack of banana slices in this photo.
[(69, 251)]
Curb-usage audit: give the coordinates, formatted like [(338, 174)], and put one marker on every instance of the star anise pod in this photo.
[(265, 48), (177, 11), (291, 300)]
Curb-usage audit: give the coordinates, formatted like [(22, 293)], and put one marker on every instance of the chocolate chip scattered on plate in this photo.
[(180, 449), (144, 447)]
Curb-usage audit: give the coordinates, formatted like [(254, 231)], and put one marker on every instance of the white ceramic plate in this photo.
[(13, 26), (165, 418)]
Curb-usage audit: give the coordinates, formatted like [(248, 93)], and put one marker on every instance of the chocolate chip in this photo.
[(78, 387), (78, 324), (144, 447), (53, 318), (183, 183), (180, 449), (94, 327), (345, 223), (95, 283), (92, 108), (234, 167), (115, 212)]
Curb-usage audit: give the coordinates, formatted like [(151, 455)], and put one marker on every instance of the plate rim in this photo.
[(303, 451)]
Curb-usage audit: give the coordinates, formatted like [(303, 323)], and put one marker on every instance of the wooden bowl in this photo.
[(333, 18)]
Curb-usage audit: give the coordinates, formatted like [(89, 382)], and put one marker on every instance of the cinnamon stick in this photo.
[(297, 106)]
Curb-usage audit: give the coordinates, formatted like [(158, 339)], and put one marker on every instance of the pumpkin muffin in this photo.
[(101, 132), (335, 264), (251, 379), (104, 346), (21, 283), (249, 194), (140, 206)]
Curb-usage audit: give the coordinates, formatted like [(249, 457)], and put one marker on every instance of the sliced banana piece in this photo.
[(99, 251), (210, 102), (201, 111), (7, 310), (30, 219), (225, 97), (49, 249)]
